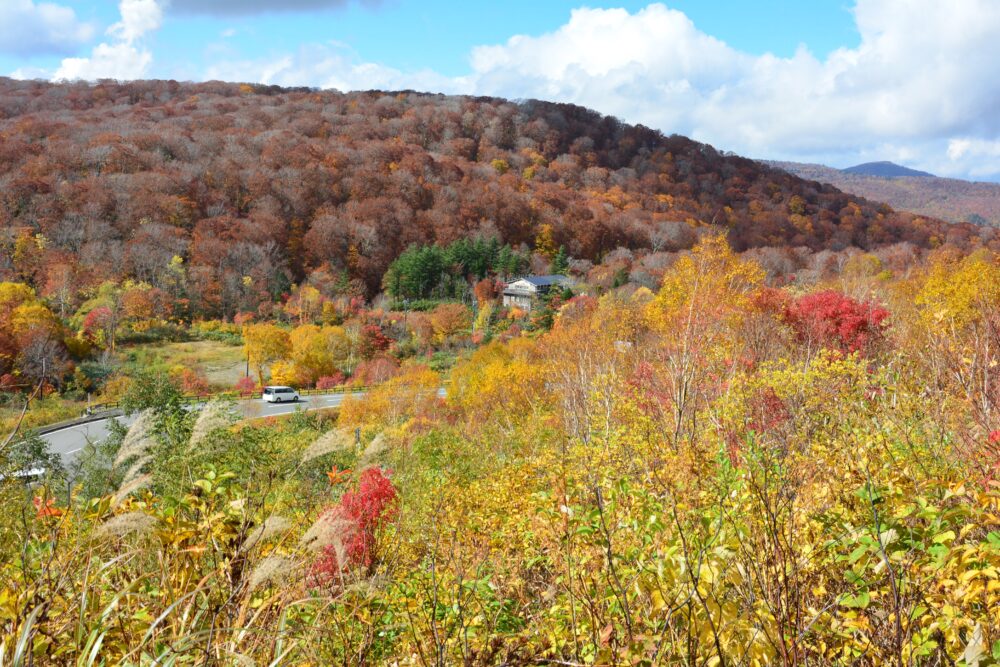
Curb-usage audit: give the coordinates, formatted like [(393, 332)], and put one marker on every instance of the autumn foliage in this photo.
[(833, 320), (364, 512), (774, 439)]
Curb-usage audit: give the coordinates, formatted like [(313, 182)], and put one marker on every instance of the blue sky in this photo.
[(832, 81), (439, 34)]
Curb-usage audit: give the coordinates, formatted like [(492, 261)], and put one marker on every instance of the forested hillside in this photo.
[(222, 196)]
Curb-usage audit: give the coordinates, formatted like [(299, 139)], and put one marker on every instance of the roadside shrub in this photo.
[(245, 385), (189, 381), (375, 371), (331, 381)]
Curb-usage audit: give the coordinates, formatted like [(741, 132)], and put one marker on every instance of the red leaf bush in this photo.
[(245, 385), (331, 381), (373, 341), (364, 511), (375, 371), (836, 321)]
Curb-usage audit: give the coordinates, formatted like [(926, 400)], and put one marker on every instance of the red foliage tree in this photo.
[(486, 290), (373, 341), (8, 382), (376, 370), (192, 382), (96, 322)]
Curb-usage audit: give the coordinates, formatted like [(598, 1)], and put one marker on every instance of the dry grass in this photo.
[(130, 487), (272, 526), (329, 530), (273, 569), (221, 364), (139, 439), (136, 468), (378, 446), (43, 411), (215, 415), (331, 441), (126, 524)]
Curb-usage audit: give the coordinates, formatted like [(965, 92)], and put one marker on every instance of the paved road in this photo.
[(68, 441)]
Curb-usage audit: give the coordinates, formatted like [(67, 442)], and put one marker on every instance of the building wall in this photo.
[(522, 302)]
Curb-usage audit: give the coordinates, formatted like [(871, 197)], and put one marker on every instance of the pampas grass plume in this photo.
[(215, 415), (331, 441), (125, 524), (272, 526), (272, 568), (138, 439), (375, 449)]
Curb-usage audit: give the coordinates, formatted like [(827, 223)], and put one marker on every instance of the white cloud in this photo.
[(28, 28), (121, 61), (123, 57), (329, 66), (28, 72), (975, 157), (138, 18)]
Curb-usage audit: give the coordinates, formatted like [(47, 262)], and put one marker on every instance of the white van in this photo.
[(280, 395)]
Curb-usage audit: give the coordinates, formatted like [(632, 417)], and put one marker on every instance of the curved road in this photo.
[(70, 440)]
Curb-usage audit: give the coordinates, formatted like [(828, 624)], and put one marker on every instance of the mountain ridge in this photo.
[(949, 199), (885, 169)]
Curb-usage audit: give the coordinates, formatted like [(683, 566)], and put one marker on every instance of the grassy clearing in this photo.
[(43, 411), (221, 363)]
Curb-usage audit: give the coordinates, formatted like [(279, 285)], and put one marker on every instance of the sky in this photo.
[(836, 82)]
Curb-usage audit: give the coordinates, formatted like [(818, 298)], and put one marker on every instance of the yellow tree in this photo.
[(588, 356), (411, 394), (265, 343), (703, 301), (500, 384), (318, 351), (545, 243), (33, 317), (306, 304), (13, 295), (958, 324), (958, 293), (449, 319)]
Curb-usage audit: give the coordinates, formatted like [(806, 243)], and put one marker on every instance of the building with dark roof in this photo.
[(524, 292)]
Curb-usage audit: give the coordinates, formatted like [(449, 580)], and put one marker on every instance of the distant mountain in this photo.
[(884, 169), (946, 198)]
